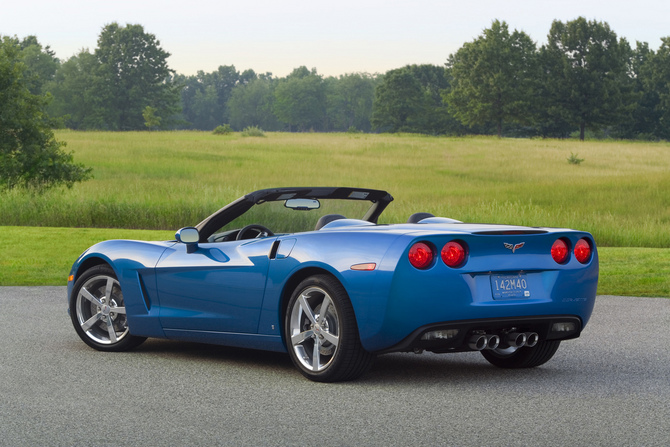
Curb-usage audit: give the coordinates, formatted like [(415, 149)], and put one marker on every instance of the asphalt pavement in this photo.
[(610, 387)]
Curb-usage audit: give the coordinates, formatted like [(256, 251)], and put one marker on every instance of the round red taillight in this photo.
[(560, 251), (421, 255), (453, 254), (583, 251)]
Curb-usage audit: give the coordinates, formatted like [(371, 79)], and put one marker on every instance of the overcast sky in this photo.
[(335, 37)]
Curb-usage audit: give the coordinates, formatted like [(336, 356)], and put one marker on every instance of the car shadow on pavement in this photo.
[(427, 368), (209, 352), (460, 368)]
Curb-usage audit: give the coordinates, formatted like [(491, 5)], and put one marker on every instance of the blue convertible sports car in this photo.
[(291, 270)]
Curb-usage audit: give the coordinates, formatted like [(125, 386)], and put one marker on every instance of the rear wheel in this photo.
[(524, 357), (321, 332), (98, 311)]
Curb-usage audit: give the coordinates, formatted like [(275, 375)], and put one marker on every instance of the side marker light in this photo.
[(367, 267)]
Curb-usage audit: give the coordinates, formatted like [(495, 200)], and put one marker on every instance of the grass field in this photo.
[(166, 180)]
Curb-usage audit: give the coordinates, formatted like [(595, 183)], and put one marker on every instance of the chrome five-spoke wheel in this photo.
[(321, 332), (314, 329), (98, 311)]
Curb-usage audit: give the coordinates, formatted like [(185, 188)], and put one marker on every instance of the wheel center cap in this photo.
[(106, 310), (317, 329)]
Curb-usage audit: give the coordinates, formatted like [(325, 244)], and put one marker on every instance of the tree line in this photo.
[(584, 79)]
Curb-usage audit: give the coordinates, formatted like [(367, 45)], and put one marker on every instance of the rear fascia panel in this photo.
[(441, 294)]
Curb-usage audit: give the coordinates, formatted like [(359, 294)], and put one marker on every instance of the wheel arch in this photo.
[(89, 263), (84, 265)]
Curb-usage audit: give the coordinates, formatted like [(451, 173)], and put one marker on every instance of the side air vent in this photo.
[(143, 288)]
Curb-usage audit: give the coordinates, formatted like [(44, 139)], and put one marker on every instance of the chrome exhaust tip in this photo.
[(492, 342), (516, 339), (478, 342), (531, 339)]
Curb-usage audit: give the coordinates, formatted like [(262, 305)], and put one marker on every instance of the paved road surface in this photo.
[(611, 387)]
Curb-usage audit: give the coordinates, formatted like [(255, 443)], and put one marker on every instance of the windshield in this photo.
[(280, 219), (290, 210)]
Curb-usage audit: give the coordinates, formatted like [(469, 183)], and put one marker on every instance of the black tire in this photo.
[(324, 346), (524, 357), (97, 310)]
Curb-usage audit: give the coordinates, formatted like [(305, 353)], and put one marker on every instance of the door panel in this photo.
[(218, 288)]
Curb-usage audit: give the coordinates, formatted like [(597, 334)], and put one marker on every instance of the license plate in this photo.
[(506, 287)]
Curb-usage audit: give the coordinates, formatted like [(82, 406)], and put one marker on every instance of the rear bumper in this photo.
[(545, 327)]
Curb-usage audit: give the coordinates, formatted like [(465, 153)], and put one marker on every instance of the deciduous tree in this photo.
[(350, 100), (491, 78), (75, 93), (586, 75), (205, 96), (41, 63), (300, 99), (644, 118), (409, 99), (656, 78), (398, 102), (30, 156), (251, 104), (134, 74)]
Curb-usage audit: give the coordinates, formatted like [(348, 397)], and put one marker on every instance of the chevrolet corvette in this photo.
[(312, 272)]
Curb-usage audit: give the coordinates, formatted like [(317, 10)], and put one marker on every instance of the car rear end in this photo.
[(481, 287)]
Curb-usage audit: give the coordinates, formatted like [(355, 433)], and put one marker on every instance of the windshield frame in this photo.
[(378, 199)]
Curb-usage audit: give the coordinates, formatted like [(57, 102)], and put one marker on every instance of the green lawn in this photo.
[(32, 256), (42, 256)]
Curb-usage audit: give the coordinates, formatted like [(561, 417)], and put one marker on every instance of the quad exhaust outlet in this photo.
[(479, 342)]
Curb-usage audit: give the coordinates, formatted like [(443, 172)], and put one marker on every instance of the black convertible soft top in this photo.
[(379, 201)]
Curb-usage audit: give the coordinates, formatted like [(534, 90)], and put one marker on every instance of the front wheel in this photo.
[(524, 357), (98, 311), (321, 332)]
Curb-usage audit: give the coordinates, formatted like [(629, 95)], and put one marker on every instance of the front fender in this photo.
[(133, 263)]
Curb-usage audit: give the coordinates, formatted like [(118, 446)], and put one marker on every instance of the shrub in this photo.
[(223, 130), (151, 120), (573, 160), (253, 131)]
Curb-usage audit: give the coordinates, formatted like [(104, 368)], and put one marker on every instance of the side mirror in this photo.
[(189, 236)]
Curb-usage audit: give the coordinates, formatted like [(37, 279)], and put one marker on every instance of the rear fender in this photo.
[(335, 254)]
